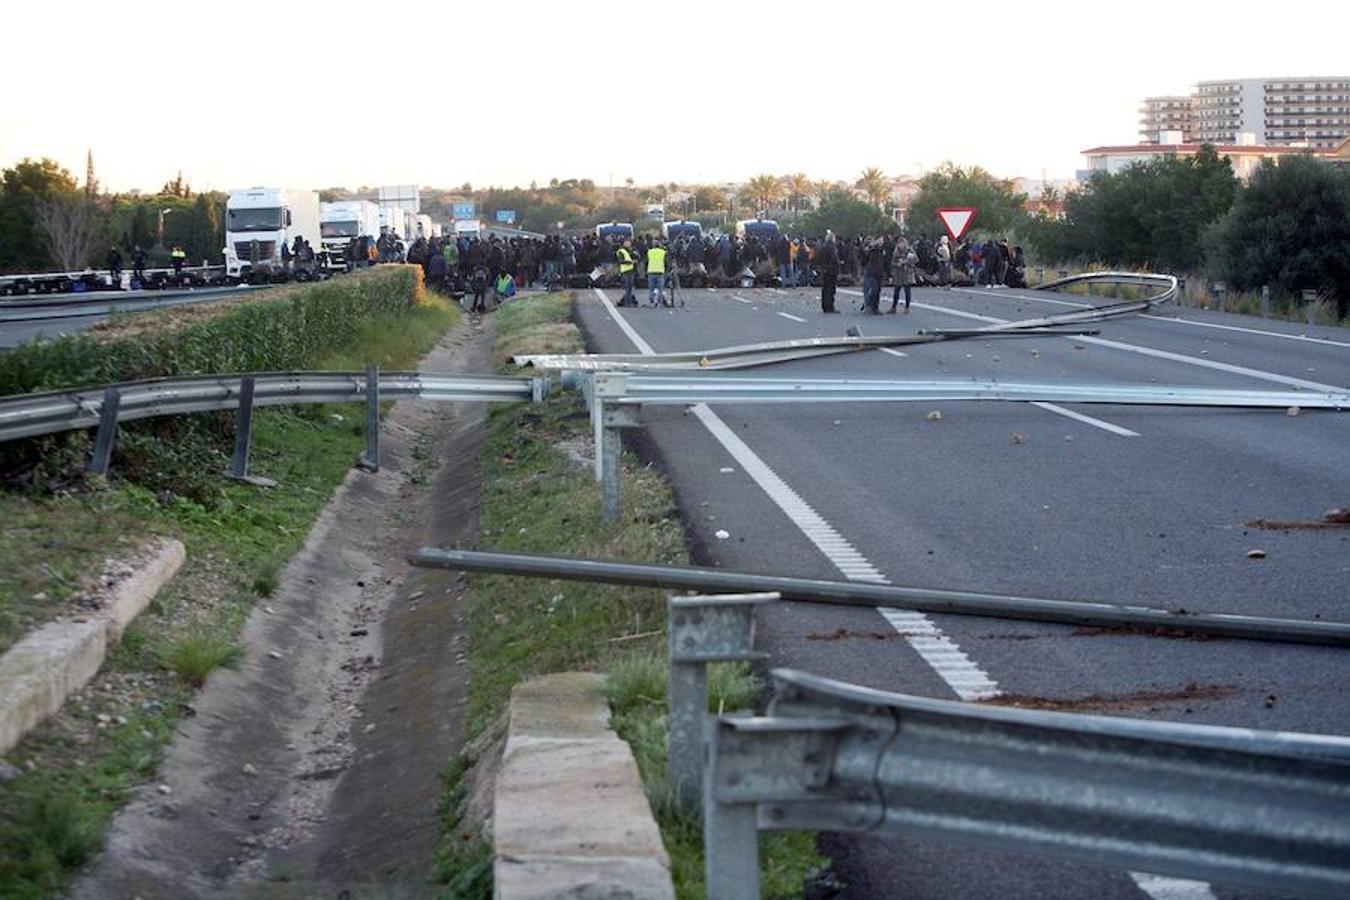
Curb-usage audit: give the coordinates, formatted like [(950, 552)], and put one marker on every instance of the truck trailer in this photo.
[(259, 221)]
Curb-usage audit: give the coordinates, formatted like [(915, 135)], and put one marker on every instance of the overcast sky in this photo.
[(311, 95)]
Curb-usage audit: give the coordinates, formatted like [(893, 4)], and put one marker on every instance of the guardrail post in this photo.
[(1265, 301), (607, 419), (730, 836), (107, 431), (703, 629), (243, 431), (370, 459), (1220, 290), (1310, 305)]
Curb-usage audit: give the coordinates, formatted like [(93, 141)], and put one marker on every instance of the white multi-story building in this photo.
[(1159, 114), (1275, 112)]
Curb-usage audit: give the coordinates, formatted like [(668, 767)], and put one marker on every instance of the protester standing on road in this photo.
[(903, 263), (115, 267), (827, 260), (179, 256), (626, 274), (656, 274), (874, 270), (138, 265), (944, 261)]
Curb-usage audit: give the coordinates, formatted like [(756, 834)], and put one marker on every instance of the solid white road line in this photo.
[(1164, 887), (892, 351), (1258, 374), (777, 291), (967, 680), (1275, 334), (1174, 320), (1086, 420), (792, 317), (961, 674), (643, 347)]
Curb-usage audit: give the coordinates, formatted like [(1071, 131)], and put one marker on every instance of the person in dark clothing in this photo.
[(990, 258), (115, 267), (436, 269), (827, 261), (478, 284), (874, 271), (138, 264), (1017, 270)]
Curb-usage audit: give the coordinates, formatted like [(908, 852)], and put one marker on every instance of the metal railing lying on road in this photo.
[(50, 412), (640, 389), (1131, 617), (1230, 805), (748, 355), (616, 397)]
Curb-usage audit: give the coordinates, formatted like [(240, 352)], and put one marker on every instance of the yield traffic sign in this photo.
[(956, 219)]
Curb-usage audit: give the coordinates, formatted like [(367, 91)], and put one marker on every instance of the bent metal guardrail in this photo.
[(1267, 809), (749, 355), (1231, 805), (1145, 620), (51, 412)]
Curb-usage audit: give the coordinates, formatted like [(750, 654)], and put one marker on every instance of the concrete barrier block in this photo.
[(570, 818)]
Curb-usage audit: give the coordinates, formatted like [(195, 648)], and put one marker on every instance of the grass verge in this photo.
[(539, 496), (82, 764)]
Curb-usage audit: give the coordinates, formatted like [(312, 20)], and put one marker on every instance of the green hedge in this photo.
[(289, 332)]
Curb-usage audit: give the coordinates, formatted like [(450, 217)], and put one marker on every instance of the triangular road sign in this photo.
[(957, 219)]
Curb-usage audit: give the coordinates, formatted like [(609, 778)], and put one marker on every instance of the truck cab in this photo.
[(259, 221), (343, 220)]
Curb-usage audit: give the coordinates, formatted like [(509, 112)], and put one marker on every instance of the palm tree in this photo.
[(765, 189), (873, 183), (822, 189), (798, 187)]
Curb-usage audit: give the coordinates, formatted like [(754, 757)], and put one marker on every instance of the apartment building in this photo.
[(1159, 114), (1277, 112)]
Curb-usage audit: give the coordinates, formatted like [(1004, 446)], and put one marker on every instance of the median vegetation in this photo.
[(539, 495), (78, 768)]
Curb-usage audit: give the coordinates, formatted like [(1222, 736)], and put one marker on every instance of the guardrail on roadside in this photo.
[(1233, 805), (51, 412), (1230, 805)]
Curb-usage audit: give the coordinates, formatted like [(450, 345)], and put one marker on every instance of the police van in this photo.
[(615, 231)]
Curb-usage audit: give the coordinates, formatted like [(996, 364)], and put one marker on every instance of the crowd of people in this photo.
[(474, 265)]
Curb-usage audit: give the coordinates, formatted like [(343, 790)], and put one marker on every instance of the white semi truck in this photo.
[(343, 220), (258, 221)]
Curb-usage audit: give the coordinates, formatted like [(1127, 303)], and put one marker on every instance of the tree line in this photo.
[(49, 222)]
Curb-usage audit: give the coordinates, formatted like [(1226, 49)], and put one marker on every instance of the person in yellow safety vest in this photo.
[(656, 275), (179, 256), (626, 264)]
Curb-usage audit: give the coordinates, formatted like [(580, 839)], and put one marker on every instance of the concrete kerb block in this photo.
[(42, 670), (570, 818), (39, 672), (134, 594)]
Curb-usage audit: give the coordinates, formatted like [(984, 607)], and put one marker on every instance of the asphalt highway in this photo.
[(1120, 503), (36, 317)]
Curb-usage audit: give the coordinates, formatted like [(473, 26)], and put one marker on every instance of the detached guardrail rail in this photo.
[(1230, 805), (617, 397), (749, 355), (51, 412)]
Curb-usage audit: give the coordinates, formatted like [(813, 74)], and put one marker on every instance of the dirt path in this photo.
[(312, 769)]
